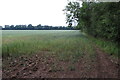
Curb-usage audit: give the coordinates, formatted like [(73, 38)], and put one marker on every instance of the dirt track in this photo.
[(39, 66), (106, 68)]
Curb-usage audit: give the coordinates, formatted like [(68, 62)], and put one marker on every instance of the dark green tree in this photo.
[(99, 19)]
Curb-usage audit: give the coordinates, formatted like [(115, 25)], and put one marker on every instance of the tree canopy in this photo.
[(99, 19), (38, 27)]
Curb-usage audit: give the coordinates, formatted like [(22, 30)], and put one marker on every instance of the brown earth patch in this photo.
[(45, 65), (106, 66)]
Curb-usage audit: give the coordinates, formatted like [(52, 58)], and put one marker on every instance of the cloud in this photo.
[(45, 12)]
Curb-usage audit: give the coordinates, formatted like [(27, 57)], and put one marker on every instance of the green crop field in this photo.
[(63, 43), (52, 53)]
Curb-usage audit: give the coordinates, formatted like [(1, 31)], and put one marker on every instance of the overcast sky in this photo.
[(45, 12)]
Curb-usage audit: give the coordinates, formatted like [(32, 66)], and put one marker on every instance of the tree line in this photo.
[(99, 19), (38, 27)]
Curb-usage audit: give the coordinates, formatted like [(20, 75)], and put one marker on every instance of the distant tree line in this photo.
[(99, 19), (38, 27)]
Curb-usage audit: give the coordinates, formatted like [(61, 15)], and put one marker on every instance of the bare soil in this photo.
[(45, 65)]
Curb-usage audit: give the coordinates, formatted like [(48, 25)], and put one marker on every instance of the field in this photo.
[(53, 54)]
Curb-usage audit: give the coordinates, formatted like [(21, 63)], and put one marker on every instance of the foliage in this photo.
[(109, 47), (99, 19), (38, 27), (72, 12)]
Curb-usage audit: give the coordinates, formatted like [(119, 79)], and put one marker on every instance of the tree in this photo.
[(99, 19), (72, 12), (30, 26)]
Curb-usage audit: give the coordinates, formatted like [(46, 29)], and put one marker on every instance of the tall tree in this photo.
[(100, 19)]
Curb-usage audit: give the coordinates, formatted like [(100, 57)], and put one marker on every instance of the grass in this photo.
[(67, 45), (109, 47), (71, 68)]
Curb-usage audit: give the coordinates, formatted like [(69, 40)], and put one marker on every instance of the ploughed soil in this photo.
[(45, 65)]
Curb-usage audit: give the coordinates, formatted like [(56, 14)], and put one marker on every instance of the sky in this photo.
[(24, 12)]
